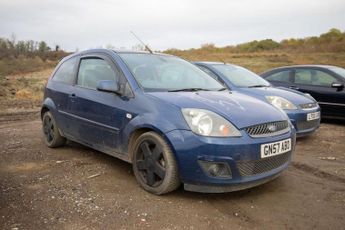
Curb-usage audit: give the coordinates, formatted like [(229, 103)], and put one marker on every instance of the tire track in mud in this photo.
[(234, 206), (26, 115), (317, 172)]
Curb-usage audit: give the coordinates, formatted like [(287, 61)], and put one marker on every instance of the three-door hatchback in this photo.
[(302, 109), (172, 121)]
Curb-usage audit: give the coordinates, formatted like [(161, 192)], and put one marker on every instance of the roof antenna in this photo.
[(146, 46)]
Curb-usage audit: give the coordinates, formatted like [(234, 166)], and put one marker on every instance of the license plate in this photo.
[(275, 148), (313, 116)]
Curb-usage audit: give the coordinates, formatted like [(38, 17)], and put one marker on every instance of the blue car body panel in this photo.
[(298, 117), (228, 150), (106, 122), (231, 105)]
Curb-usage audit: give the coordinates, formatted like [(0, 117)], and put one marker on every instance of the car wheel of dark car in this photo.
[(154, 164), (51, 132)]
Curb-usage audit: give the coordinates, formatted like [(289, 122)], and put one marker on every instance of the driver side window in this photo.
[(93, 70)]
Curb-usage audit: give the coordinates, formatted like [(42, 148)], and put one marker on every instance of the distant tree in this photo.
[(43, 47), (138, 47), (208, 46), (254, 46), (332, 35), (110, 47)]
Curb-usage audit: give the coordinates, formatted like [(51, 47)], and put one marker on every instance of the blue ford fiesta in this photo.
[(302, 109), (172, 121)]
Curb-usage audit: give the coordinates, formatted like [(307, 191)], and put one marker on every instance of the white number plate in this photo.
[(275, 148), (313, 116)]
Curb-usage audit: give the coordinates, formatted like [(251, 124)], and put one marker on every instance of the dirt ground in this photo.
[(75, 187)]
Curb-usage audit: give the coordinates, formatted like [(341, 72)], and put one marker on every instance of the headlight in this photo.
[(206, 123), (280, 102)]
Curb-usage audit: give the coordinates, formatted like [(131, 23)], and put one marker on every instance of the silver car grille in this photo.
[(304, 125), (250, 168), (268, 129)]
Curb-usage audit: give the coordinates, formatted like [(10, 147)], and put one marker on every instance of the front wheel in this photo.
[(51, 132), (154, 164)]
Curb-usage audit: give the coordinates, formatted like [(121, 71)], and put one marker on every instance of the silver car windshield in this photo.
[(167, 73), (241, 77)]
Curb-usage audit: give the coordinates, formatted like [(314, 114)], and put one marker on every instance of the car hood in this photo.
[(295, 97), (240, 109)]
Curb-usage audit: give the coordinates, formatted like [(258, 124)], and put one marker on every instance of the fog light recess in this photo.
[(216, 169)]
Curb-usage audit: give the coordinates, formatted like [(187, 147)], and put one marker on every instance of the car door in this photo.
[(59, 89), (100, 116), (281, 78), (318, 83)]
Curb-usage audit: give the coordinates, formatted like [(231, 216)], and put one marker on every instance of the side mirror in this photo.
[(108, 86), (337, 85)]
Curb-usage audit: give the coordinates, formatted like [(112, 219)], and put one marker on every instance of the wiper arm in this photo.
[(222, 89), (257, 86), (188, 90)]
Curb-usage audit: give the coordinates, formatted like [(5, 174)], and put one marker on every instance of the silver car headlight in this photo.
[(207, 123), (280, 102)]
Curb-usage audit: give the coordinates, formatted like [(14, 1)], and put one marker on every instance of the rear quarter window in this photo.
[(313, 77), (66, 71)]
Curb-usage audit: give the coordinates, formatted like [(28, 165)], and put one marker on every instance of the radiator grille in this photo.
[(303, 125), (250, 168), (268, 129)]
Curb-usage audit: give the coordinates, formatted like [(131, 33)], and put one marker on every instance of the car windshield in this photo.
[(241, 77), (167, 73), (338, 70)]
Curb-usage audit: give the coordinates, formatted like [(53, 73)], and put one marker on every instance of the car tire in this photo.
[(154, 164), (52, 136)]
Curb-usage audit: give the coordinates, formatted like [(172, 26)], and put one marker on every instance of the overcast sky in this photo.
[(166, 24)]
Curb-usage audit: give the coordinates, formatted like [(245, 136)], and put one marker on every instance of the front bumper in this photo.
[(299, 120), (241, 155), (228, 188)]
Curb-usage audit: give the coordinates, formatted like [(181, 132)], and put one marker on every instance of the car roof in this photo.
[(213, 63), (305, 66), (109, 51)]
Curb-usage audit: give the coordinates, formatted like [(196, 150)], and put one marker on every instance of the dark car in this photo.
[(303, 111), (325, 83), (168, 118)]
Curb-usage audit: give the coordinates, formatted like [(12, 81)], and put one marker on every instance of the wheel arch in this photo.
[(47, 105), (137, 132)]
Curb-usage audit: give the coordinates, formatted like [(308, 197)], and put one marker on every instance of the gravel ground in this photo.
[(75, 187)]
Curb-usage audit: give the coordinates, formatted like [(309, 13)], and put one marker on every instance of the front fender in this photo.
[(154, 122)]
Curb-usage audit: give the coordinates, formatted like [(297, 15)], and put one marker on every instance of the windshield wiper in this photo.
[(188, 90), (257, 86), (222, 89)]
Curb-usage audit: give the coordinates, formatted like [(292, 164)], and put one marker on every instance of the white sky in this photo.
[(166, 24)]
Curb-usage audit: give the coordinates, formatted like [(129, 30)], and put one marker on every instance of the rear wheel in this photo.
[(154, 164), (51, 132)]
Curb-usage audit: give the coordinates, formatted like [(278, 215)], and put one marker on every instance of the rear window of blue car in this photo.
[(66, 71), (163, 73)]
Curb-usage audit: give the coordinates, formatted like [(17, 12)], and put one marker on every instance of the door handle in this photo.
[(294, 87), (72, 97)]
